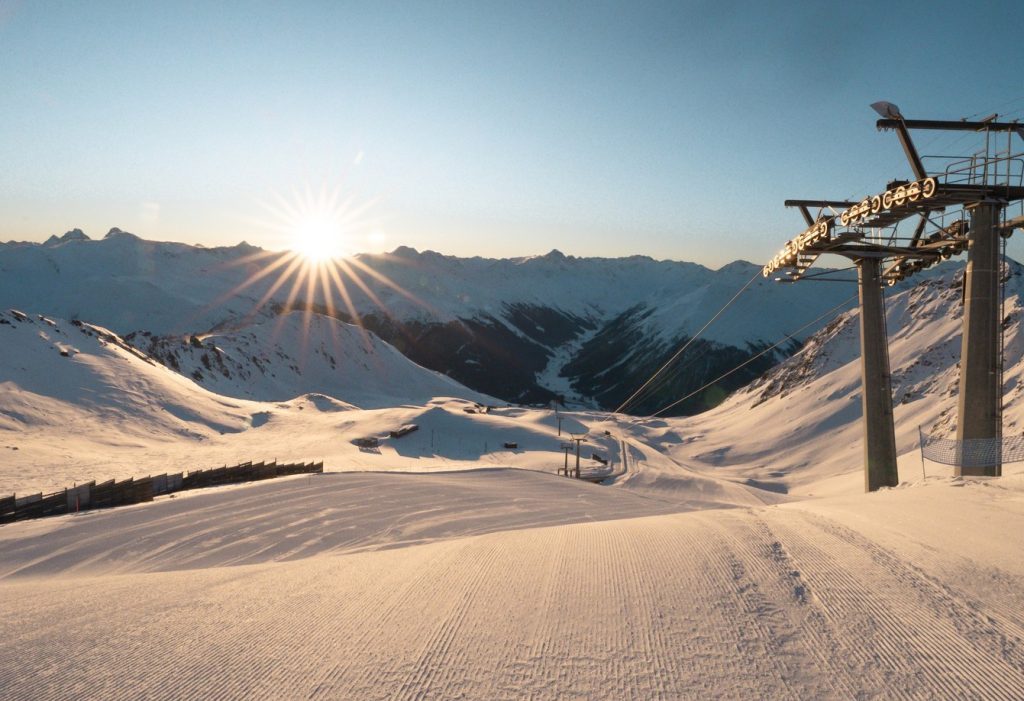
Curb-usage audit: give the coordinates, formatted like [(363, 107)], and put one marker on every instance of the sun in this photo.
[(311, 268), (317, 224), (317, 237)]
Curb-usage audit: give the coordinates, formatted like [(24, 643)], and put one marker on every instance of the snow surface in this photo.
[(513, 584), (728, 555)]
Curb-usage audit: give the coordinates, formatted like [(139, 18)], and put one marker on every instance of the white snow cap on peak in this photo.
[(738, 266)]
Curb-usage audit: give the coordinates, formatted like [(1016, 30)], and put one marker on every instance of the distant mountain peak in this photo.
[(118, 233), (73, 235), (405, 252), (738, 265)]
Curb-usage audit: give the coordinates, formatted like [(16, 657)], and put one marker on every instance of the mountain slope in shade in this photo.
[(799, 427)]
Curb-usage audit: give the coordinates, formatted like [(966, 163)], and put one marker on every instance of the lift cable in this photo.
[(753, 358), (686, 345), (669, 377), (633, 397)]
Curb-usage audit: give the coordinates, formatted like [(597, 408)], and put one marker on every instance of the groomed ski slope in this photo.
[(495, 584)]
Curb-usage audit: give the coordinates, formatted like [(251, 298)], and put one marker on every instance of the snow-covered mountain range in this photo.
[(79, 388), (525, 329), (202, 386)]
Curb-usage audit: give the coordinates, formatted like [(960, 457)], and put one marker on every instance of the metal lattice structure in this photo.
[(960, 204), (938, 198)]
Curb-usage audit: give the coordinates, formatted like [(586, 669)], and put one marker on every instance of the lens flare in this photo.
[(317, 274)]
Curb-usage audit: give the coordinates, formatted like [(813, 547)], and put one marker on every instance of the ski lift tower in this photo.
[(984, 184), (823, 236), (578, 440), (866, 233)]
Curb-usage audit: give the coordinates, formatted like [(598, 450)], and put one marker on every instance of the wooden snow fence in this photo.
[(77, 498), (8, 507), (247, 472), (136, 490)]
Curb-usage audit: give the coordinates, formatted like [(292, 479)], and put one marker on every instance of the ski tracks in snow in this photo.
[(924, 637), (776, 602)]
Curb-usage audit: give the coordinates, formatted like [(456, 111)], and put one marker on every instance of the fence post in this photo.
[(920, 445)]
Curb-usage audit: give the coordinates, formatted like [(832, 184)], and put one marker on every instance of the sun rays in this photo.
[(319, 273), (318, 223)]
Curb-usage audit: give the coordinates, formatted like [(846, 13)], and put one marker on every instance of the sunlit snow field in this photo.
[(728, 555)]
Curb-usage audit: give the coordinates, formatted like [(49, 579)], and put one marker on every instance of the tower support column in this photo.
[(978, 409), (876, 390)]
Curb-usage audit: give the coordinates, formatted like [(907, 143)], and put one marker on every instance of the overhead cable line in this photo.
[(753, 358), (644, 387), (669, 377), (687, 344)]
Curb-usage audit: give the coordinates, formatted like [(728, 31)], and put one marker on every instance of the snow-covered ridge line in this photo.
[(64, 276), (300, 353)]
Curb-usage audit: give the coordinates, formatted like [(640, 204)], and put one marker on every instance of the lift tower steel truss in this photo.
[(979, 187)]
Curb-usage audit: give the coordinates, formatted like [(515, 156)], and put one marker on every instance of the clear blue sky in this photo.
[(672, 129)]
